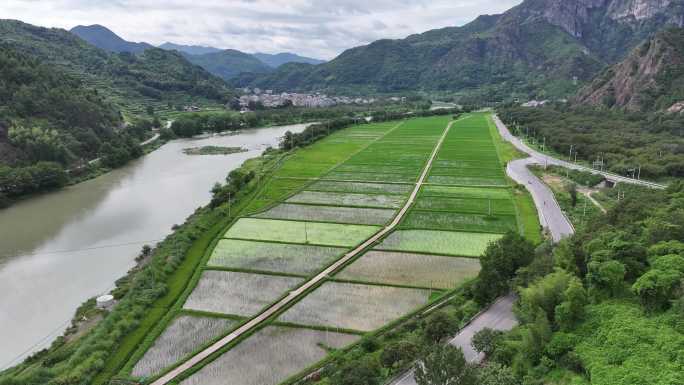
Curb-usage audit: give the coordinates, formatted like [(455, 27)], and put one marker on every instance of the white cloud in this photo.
[(319, 28)]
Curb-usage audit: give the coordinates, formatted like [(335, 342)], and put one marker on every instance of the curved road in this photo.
[(541, 158), (295, 295)]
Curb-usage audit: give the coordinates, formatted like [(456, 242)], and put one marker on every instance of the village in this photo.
[(269, 99)]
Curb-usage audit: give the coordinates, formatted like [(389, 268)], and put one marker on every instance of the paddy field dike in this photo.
[(323, 201)]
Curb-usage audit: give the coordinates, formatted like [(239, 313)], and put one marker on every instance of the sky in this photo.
[(316, 28)]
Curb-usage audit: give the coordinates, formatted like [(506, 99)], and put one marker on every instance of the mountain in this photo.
[(228, 63), (276, 60), (127, 79), (107, 40), (650, 78), (535, 49), (47, 114), (189, 49)]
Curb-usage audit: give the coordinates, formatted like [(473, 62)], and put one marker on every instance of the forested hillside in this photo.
[(534, 50), (625, 141), (129, 80), (229, 63), (650, 78)]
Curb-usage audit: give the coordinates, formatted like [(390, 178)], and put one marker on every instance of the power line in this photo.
[(83, 249)]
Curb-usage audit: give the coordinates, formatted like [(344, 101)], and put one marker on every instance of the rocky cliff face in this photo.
[(649, 78)]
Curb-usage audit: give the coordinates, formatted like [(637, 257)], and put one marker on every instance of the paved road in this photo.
[(499, 316), (541, 158), (550, 214), (295, 295)]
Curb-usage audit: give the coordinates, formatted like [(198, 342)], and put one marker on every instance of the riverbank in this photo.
[(96, 229)]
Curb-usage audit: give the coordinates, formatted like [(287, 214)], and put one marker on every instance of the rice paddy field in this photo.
[(273, 257), (423, 270), (455, 243), (355, 306), (236, 293), (270, 356), (184, 335), (318, 204)]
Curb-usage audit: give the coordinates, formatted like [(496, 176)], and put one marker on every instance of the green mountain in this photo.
[(47, 114), (650, 78), (536, 49), (132, 81), (278, 59), (102, 37), (229, 63)]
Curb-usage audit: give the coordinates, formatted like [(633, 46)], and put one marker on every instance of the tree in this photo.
[(497, 374), (445, 365), (606, 277), (486, 340), (499, 263), (358, 372), (438, 326), (571, 310), (657, 287), (398, 353)]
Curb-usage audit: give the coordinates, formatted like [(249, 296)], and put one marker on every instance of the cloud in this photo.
[(318, 28)]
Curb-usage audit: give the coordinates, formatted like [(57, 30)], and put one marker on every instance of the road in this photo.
[(93, 161), (540, 158), (295, 295), (499, 316), (551, 216)]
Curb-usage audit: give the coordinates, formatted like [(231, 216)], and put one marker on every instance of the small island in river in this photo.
[(213, 150)]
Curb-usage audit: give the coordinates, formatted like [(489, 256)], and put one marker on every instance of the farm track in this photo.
[(295, 294)]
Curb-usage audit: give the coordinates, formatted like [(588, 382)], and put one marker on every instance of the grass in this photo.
[(236, 293), (183, 336), (354, 306), (276, 257), (423, 270), (462, 244), (348, 199), (335, 214), (270, 356), (328, 234)]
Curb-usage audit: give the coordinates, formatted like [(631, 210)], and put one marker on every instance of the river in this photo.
[(61, 248)]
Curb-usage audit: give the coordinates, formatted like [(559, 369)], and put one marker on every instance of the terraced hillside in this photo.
[(321, 203)]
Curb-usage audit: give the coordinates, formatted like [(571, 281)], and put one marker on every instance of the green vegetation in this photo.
[(213, 150), (649, 143), (604, 306)]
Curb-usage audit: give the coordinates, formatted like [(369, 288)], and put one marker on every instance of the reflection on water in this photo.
[(58, 249)]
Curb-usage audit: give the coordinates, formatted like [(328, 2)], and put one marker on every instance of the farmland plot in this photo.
[(370, 177), (467, 181), (424, 270), (465, 192), (464, 205), (355, 306), (348, 199), (326, 234), (270, 356), (335, 214), (438, 242), (363, 188), (275, 257), (182, 337), (235, 293), (439, 220)]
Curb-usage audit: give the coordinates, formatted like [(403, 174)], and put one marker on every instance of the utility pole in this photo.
[(544, 145), (490, 207), (570, 156), (639, 174), (228, 203), (306, 235)]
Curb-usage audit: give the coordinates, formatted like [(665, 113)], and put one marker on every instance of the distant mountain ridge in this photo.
[(107, 40), (189, 49), (535, 49), (228, 63), (278, 59)]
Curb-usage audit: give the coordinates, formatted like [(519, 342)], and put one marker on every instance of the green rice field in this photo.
[(454, 243), (316, 205)]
